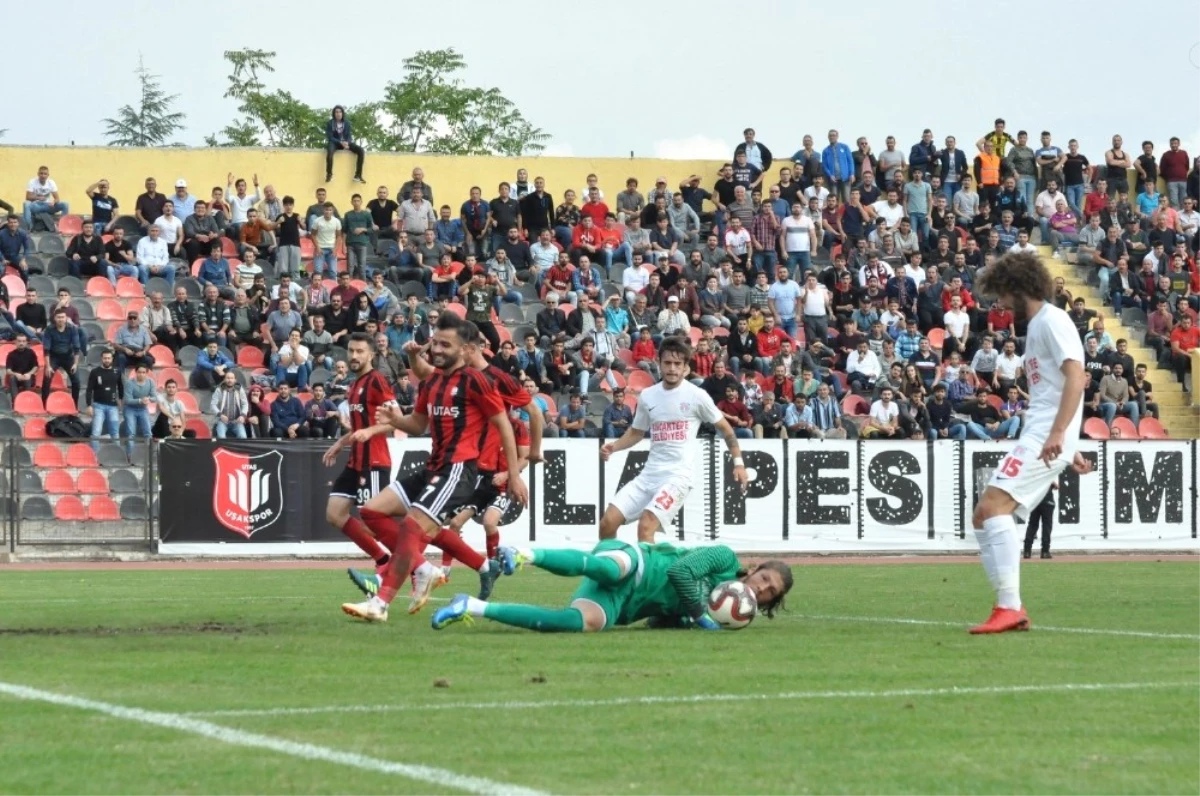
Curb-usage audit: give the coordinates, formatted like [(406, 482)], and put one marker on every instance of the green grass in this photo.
[(188, 641)]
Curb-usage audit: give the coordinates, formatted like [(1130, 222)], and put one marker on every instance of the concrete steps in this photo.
[(1177, 414)]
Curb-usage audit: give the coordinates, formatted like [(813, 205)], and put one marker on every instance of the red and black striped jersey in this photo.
[(512, 395), (520, 433), (458, 405), (369, 392)]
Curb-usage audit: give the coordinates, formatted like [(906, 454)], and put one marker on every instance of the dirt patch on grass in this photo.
[(104, 631)]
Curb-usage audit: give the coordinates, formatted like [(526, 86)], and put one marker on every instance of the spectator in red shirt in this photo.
[(595, 208), (956, 289), (645, 352), (770, 339), (703, 360), (1173, 167), (736, 413), (558, 279), (781, 385), (1184, 339), (1000, 322), (588, 238), (1096, 201)]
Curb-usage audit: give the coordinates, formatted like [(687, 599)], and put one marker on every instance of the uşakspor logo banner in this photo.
[(247, 490)]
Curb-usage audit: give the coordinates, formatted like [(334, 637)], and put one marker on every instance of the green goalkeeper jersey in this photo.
[(675, 581)]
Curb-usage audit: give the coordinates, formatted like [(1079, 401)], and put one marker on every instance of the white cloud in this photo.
[(558, 149), (696, 147)]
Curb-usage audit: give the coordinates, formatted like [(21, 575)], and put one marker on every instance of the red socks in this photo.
[(412, 543), (492, 540), (361, 536), (447, 559), (453, 544)]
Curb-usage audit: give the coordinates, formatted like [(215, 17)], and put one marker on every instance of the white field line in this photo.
[(195, 599), (1089, 631), (695, 699), (438, 777)]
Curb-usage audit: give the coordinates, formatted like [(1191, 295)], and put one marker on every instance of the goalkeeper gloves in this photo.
[(705, 622)]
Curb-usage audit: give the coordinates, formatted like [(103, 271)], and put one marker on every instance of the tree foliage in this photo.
[(152, 122), (429, 110)]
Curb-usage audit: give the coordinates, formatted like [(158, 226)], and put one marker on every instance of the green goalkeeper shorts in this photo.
[(611, 599)]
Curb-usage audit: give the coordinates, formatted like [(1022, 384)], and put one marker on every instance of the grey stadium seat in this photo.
[(51, 244), (134, 508), (124, 482), (74, 285), (37, 508)]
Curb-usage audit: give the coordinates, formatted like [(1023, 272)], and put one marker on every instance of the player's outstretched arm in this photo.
[(735, 451), (631, 437), (691, 571), (417, 362), (413, 425)]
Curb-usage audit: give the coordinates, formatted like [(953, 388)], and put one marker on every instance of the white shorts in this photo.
[(662, 496), (1025, 478)]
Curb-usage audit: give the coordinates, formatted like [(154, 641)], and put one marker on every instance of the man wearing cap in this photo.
[(672, 320), (660, 192), (133, 343), (185, 203)]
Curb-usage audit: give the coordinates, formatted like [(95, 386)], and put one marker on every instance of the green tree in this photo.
[(152, 122), (428, 110)]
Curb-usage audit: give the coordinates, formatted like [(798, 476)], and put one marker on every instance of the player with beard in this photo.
[(1049, 438), (369, 468), (453, 405), (491, 499)]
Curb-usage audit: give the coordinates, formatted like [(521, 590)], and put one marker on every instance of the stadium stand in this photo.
[(563, 327)]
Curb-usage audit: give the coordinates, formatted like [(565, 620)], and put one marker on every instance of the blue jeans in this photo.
[(1007, 428), (323, 258), (1028, 188), (235, 430), (117, 270), (105, 420), (563, 235), (1110, 411), (920, 223), (764, 261), (1104, 273), (623, 251), (167, 272), (301, 375), (1075, 201), (788, 325), (611, 432), (802, 259), (513, 296), (54, 208), (743, 433), (957, 431), (948, 190), (137, 424)]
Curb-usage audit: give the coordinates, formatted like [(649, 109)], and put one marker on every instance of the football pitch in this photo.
[(252, 681)]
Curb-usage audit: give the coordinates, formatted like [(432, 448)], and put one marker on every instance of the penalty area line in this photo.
[(1088, 631), (695, 699), (438, 777)]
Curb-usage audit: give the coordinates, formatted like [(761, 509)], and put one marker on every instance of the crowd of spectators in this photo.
[(827, 298)]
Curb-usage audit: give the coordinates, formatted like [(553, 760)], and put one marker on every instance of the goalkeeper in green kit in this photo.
[(625, 583)]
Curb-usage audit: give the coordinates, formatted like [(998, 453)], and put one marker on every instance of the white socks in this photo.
[(475, 606), (1000, 553), (425, 570)]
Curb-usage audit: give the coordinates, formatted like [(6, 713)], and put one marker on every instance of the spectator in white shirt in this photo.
[(41, 196), (884, 420), (634, 280), (889, 210), (170, 229), (862, 367), (153, 258), (673, 320), (1046, 205), (294, 365), (239, 203)]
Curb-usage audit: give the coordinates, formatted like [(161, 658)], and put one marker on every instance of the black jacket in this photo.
[(766, 165)]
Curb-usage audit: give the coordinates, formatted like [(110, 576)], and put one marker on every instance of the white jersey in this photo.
[(1050, 341), (673, 418)]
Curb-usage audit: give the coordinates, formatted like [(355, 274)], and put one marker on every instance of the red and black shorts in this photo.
[(440, 494), (360, 485)]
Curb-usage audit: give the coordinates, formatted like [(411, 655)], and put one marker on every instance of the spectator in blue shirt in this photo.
[(15, 246), (617, 416), (215, 271), (211, 364), (338, 137), (837, 161), (449, 232), (287, 415)]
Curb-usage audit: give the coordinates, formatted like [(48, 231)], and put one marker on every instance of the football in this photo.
[(732, 605)]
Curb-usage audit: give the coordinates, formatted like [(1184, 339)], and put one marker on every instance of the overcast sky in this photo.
[(658, 79)]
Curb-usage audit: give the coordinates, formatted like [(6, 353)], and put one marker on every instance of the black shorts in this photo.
[(440, 494), (360, 485), (488, 495)]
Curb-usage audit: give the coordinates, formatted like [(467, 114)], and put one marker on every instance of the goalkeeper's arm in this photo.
[(689, 573)]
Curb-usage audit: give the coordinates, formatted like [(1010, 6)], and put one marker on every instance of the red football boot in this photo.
[(1003, 620)]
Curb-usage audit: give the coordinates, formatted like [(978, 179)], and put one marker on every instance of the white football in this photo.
[(732, 605)]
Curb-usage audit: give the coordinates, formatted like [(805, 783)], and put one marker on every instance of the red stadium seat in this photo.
[(189, 402), (306, 248), (639, 380), (110, 334), (229, 248), (61, 403), (110, 310), (59, 482), (81, 455), (937, 338), (721, 331), (200, 427), (617, 377), (16, 288), (1150, 428), (161, 377), (136, 304), (995, 401), (102, 508), (856, 406), (92, 482), (457, 309), (70, 225), (503, 333), (250, 357), (100, 287), (129, 287), (626, 356), (1126, 428), (70, 509), (48, 455), (163, 356), (199, 261), (29, 403), (1095, 428), (35, 427), (631, 401)]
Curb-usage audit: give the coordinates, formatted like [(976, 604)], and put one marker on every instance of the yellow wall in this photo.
[(301, 172)]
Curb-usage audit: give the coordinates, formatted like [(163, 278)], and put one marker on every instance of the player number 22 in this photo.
[(1010, 467), (664, 501)]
